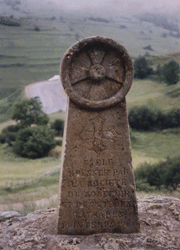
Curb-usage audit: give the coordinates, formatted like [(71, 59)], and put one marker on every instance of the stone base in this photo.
[(159, 219)]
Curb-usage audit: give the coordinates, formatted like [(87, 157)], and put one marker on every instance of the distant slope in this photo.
[(162, 59)]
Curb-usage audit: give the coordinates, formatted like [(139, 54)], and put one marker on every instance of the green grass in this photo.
[(155, 145), (153, 94), (146, 146), (15, 168), (27, 56), (25, 199), (162, 59), (58, 115), (44, 183)]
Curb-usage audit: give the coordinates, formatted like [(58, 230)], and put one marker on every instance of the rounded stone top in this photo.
[(96, 72)]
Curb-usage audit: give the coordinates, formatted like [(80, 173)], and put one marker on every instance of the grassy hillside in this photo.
[(32, 52), (154, 94)]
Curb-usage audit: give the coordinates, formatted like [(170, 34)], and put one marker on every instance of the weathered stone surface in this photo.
[(158, 216), (8, 215), (97, 190)]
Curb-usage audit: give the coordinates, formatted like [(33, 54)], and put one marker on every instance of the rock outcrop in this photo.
[(160, 229)]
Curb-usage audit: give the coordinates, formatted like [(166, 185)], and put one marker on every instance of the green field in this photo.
[(154, 94), (28, 56)]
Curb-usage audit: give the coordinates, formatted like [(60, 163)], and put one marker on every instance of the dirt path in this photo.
[(50, 93)]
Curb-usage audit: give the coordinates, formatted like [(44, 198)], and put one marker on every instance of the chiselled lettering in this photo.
[(91, 172), (107, 182), (100, 193), (104, 203), (120, 171), (98, 162)]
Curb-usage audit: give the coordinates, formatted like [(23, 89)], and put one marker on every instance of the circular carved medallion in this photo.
[(96, 73)]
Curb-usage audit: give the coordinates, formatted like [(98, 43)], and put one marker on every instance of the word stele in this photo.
[(97, 188)]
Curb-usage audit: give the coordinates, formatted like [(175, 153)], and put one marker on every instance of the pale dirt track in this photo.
[(50, 93)]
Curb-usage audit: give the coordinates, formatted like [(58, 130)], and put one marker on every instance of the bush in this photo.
[(28, 112), (170, 72), (173, 118), (34, 142), (36, 28), (143, 118), (143, 186), (10, 138), (8, 134), (141, 68), (58, 126), (165, 173), (11, 128), (2, 138), (58, 142)]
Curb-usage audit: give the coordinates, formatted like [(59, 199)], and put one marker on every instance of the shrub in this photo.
[(11, 128), (143, 118), (165, 173), (141, 68), (10, 138), (36, 28), (143, 186), (34, 142), (173, 118), (170, 72), (2, 138), (58, 126), (58, 142), (8, 134), (28, 112)]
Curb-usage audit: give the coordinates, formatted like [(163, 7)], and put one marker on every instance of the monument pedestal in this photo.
[(97, 189)]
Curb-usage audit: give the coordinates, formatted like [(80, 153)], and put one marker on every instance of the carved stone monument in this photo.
[(97, 189)]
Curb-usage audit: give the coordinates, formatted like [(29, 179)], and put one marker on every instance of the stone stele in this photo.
[(97, 188)]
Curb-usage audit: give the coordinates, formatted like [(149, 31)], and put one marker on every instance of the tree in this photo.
[(28, 112), (34, 142), (170, 72), (141, 68), (58, 126)]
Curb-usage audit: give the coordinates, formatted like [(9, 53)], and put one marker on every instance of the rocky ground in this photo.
[(159, 219)]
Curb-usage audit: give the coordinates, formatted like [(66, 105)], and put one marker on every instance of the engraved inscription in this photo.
[(100, 193), (103, 204), (98, 162), (94, 172), (98, 172), (86, 224), (97, 215), (97, 133), (107, 182)]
